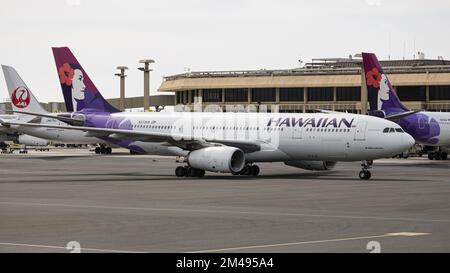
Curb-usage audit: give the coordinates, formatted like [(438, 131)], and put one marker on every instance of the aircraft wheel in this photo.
[(254, 170), (180, 171), (245, 171), (444, 155), (108, 150), (437, 156), (200, 173), (365, 175), (97, 150), (430, 156), (191, 172)]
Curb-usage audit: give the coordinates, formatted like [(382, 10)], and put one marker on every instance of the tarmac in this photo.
[(52, 201)]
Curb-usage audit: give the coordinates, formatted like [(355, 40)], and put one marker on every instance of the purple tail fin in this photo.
[(381, 95), (78, 90)]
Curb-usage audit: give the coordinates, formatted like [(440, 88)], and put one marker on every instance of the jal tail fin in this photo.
[(78, 90), (381, 95), (22, 99)]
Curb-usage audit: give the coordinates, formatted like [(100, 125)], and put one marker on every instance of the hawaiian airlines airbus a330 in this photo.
[(227, 142)]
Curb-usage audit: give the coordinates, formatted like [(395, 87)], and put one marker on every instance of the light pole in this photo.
[(122, 86), (146, 70)]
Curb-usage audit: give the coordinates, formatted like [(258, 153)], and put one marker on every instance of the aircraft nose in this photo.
[(408, 140)]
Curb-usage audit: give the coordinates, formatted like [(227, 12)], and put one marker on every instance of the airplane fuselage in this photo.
[(428, 128), (284, 137)]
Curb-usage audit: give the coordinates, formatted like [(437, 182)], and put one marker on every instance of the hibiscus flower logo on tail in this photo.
[(373, 78), (21, 97), (66, 73)]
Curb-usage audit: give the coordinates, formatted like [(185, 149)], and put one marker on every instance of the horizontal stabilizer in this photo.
[(396, 116)]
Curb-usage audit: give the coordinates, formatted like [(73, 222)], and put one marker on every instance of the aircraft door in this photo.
[(360, 130)]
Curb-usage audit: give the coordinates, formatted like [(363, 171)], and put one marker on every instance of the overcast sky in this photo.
[(208, 35)]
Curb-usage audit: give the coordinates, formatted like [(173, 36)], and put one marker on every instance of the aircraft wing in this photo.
[(187, 142), (397, 116), (328, 111)]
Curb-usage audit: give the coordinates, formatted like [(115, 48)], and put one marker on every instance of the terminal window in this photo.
[(181, 97), (263, 94), (236, 95), (186, 97), (320, 94), (193, 95), (348, 93), (212, 95), (440, 92), (291, 94), (411, 93)]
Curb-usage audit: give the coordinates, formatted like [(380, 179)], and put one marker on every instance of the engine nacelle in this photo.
[(312, 165), (31, 140), (217, 159)]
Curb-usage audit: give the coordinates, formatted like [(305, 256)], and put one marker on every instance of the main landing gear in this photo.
[(365, 173), (188, 171), (103, 150), (249, 170), (437, 155)]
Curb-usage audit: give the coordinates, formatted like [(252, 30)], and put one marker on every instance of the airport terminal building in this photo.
[(331, 84)]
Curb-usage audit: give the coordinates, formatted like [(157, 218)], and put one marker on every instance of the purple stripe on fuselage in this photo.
[(422, 128), (98, 119)]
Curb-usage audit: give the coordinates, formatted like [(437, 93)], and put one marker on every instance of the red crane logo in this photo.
[(21, 97)]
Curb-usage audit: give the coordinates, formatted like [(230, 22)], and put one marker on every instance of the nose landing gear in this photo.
[(365, 174)]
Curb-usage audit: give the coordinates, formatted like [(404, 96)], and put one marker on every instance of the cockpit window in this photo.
[(393, 130)]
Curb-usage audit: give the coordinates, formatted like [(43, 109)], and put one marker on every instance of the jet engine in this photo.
[(312, 165), (31, 140), (217, 159)]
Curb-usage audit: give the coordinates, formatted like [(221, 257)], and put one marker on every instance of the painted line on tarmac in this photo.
[(214, 211), (397, 234), (63, 247)]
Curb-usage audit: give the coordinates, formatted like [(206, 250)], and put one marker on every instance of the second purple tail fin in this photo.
[(381, 94), (78, 90)]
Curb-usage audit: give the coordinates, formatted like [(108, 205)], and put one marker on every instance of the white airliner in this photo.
[(225, 142), (233, 142), (22, 102)]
